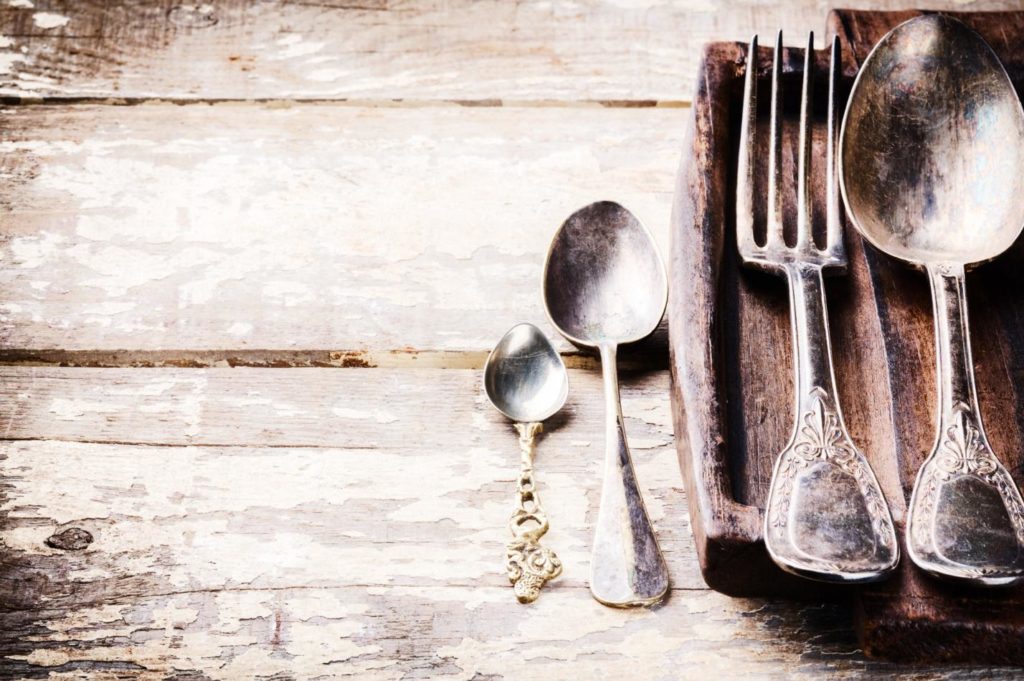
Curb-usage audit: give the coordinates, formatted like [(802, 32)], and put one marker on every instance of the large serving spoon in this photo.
[(525, 379), (605, 285), (931, 158)]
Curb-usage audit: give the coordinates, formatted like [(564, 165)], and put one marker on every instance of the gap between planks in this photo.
[(31, 100), (652, 359), (128, 598)]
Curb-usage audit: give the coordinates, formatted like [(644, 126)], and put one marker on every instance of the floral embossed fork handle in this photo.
[(826, 517)]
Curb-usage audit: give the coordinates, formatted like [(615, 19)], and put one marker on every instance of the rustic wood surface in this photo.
[(735, 387), (303, 226), (267, 453), (490, 51)]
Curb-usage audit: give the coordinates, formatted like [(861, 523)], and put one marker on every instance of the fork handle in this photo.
[(812, 347)]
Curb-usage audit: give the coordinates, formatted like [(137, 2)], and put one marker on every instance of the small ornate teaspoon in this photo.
[(526, 381), (605, 285), (930, 155)]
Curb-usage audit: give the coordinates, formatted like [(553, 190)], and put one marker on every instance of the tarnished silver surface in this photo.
[(826, 517), (526, 381), (605, 285), (931, 155)]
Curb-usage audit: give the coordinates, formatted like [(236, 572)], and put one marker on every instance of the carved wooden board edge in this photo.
[(728, 534)]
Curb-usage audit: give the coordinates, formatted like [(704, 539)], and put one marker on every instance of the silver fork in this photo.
[(826, 517)]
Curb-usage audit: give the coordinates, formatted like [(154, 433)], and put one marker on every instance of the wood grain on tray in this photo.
[(732, 366)]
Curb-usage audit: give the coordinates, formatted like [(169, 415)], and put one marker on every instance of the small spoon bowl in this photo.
[(604, 282), (525, 377)]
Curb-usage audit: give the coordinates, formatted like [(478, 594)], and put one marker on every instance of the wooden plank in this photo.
[(314, 523), (350, 409), (488, 51), (437, 632), (250, 227), (359, 470)]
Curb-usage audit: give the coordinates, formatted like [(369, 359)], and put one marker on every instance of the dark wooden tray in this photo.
[(732, 369)]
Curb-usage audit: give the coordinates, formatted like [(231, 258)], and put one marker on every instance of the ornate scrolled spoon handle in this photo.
[(529, 565)]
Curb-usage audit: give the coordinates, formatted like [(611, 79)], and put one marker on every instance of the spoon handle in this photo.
[(528, 564), (966, 517), (626, 567)]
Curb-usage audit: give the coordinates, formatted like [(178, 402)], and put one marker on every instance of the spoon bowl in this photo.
[(604, 282), (931, 146), (524, 377)]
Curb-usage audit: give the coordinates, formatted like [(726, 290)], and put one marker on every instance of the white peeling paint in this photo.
[(43, 657), (109, 307), (153, 389), (327, 75), (378, 416), (49, 20), (35, 80), (288, 293), (193, 408), (294, 47), (8, 60), (69, 410)]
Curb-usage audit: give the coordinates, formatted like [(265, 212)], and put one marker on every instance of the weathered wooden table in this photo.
[(253, 255)]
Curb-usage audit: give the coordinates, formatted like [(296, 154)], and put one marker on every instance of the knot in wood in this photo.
[(200, 15), (71, 539)]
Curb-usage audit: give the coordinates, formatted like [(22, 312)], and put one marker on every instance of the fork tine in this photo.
[(803, 194), (774, 230), (833, 228), (745, 179)]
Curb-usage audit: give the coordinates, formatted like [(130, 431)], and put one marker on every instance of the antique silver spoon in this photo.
[(931, 153), (525, 379), (604, 285)]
